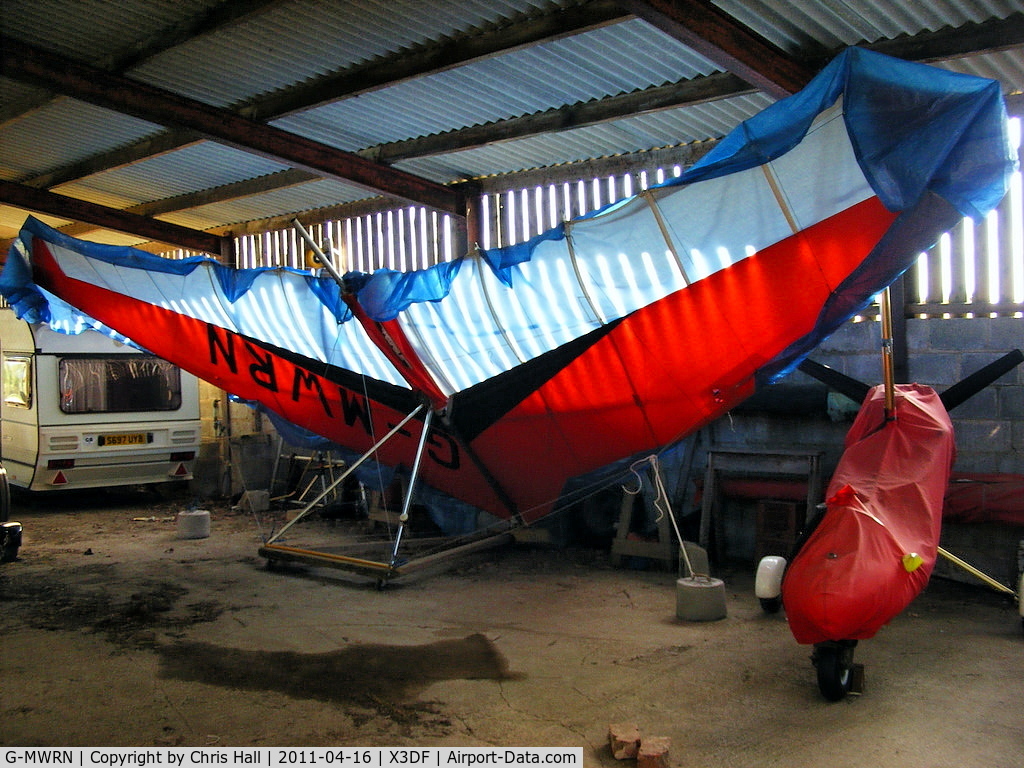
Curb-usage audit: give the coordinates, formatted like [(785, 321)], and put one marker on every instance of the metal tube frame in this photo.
[(305, 511), (979, 574), (407, 502), (888, 371), (323, 257)]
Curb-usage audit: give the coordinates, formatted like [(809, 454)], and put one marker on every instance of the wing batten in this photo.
[(648, 196)]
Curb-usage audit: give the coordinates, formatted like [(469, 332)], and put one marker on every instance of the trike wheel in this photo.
[(834, 664)]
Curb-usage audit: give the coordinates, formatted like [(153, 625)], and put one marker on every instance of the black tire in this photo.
[(834, 663), (10, 541), (5, 497), (771, 604)]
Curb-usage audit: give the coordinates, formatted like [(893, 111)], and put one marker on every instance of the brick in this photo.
[(939, 370), (866, 368), (917, 335), (624, 740), (982, 435), (983, 405), (654, 752)]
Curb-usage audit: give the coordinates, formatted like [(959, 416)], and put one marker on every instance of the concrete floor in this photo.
[(118, 633)]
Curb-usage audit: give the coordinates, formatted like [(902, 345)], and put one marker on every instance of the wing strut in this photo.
[(407, 501), (321, 256), (417, 376), (348, 471), (278, 552)]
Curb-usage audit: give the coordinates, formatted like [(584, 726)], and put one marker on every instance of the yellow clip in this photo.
[(912, 561)]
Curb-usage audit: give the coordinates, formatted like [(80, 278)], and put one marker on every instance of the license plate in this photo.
[(129, 438)]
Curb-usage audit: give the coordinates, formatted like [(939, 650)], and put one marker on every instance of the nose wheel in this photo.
[(836, 671)]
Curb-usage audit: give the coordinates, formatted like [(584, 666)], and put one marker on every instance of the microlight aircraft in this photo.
[(873, 548), (500, 376)]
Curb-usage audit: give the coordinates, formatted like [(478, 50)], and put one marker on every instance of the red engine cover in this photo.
[(875, 548)]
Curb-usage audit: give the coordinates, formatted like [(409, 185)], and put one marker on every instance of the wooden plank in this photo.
[(348, 562), (490, 542), (295, 554)]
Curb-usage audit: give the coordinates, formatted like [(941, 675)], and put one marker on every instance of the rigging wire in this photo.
[(661, 500)]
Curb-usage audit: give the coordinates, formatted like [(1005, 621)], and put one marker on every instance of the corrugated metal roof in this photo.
[(298, 41), (795, 24), (92, 29), (634, 134), (200, 166), (605, 62), (64, 131), (284, 202), (1005, 66)]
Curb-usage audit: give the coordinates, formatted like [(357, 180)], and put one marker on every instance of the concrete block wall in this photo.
[(941, 352), (989, 427)]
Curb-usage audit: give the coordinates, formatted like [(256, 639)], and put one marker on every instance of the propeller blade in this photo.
[(840, 382), (980, 379)]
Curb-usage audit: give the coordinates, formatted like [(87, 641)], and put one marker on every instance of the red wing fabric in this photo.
[(875, 548)]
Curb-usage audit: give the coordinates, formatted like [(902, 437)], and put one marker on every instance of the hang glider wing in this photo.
[(610, 335)]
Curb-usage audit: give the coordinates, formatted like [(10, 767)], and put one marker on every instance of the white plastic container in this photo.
[(768, 582)]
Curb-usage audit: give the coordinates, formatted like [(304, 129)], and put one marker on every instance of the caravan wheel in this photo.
[(771, 604), (5, 497)]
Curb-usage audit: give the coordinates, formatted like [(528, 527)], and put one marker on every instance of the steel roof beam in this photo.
[(227, 13), (374, 75), (970, 39), (475, 45), (65, 207), (698, 90), (156, 105), (718, 37)]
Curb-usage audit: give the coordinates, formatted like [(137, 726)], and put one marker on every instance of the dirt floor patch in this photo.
[(118, 633), (75, 604), (359, 673)]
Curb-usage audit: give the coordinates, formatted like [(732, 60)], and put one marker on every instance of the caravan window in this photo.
[(119, 384), (17, 382)]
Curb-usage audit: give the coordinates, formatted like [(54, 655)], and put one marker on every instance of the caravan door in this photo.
[(19, 412)]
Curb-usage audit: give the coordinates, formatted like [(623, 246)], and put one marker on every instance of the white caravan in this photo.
[(87, 412)]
